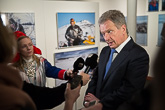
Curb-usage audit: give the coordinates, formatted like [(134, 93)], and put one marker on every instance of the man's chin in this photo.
[(112, 47)]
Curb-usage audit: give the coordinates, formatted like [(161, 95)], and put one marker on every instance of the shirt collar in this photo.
[(118, 49)]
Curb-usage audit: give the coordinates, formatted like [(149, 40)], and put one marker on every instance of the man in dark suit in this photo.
[(128, 71)]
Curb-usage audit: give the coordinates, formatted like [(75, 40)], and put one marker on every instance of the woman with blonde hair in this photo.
[(34, 68)]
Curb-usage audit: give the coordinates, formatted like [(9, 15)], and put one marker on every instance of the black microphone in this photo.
[(78, 64), (90, 62), (77, 79)]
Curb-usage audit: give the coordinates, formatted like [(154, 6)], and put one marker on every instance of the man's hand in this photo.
[(98, 106), (90, 97), (85, 77), (71, 40)]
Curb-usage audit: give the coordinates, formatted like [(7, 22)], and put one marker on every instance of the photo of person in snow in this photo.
[(73, 34)]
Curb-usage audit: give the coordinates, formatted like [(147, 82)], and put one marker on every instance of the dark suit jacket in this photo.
[(127, 75)]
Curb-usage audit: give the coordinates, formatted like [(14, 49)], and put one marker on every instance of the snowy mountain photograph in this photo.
[(24, 22), (141, 30), (65, 60), (161, 29), (84, 32)]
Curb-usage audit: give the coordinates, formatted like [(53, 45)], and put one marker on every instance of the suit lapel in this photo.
[(104, 58), (119, 59)]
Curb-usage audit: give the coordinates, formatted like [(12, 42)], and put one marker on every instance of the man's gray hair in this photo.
[(115, 16)]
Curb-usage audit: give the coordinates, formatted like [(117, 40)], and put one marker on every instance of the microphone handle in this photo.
[(87, 69), (75, 71)]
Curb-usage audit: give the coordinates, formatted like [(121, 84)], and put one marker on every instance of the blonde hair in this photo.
[(20, 62), (7, 44)]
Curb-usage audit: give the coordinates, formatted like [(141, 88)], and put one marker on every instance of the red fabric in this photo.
[(18, 34), (16, 58), (153, 4), (61, 74), (37, 50)]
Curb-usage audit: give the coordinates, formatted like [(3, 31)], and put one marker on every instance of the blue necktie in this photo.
[(109, 62)]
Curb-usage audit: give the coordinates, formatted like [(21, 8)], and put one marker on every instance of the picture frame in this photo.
[(24, 22), (65, 60), (153, 5), (79, 32), (141, 30), (163, 5), (161, 29)]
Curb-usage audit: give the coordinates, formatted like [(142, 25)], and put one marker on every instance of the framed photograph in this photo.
[(161, 29), (75, 29), (153, 5), (65, 60), (163, 5), (141, 30), (24, 22)]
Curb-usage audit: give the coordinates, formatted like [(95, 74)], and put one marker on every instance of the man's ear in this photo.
[(124, 29)]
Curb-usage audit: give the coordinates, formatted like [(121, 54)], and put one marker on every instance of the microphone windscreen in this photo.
[(91, 61), (78, 64)]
